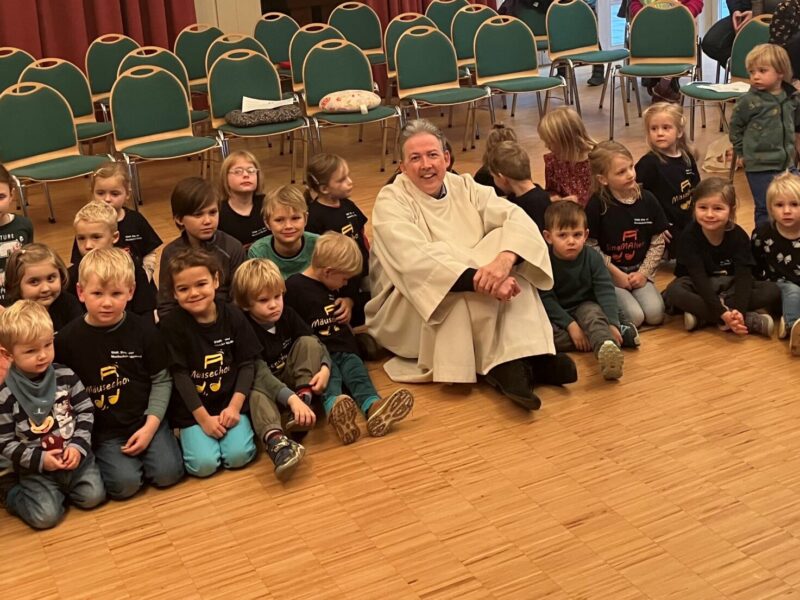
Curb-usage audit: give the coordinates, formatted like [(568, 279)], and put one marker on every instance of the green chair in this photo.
[(12, 62), (102, 61), (359, 24), (572, 42), (442, 12), (337, 65), (275, 30), (397, 27), (537, 23), (663, 43), (161, 57), (464, 27), (427, 75), (239, 73), (302, 42), (754, 32), (39, 140), (150, 112), (232, 41), (506, 62), (70, 82), (191, 46)]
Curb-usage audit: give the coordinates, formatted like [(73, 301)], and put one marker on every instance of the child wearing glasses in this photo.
[(241, 191)]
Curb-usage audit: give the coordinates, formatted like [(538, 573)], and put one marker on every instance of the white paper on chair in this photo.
[(739, 87), (249, 104)]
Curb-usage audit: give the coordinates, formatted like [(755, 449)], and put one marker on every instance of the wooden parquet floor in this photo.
[(680, 481)]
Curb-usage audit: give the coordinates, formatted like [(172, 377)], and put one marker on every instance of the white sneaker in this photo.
[(689, 321), (783, 333), (611, 359)]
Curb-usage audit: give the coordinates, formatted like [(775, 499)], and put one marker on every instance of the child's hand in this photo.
[(229, 417), (213, 428), (637, 280), (735, 322), (578, 337), (52, 461), (667, 234), (343, 310), (319, 381), (140, 439), (71, 458), (615, 333), (620, 279), (303, 415)]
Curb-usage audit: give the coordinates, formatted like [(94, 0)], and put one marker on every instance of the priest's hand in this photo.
[(490, 277), (507, 290), (343, 310)]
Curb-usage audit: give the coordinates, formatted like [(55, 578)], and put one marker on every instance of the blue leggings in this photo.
[(203, 455)]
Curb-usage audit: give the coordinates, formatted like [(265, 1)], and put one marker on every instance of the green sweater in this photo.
[(585, 279), (288, 265), (762, 128)]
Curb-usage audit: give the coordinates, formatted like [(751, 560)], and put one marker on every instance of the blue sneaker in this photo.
[(630, 335)]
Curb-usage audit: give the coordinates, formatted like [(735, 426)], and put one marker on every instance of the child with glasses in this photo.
[(241, 191)]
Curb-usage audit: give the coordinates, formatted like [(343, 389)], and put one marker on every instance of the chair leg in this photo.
[(23, 202), (292, 142), (491, 108), (415, 104), (450, 117), (360, 133), (384, 140), (719, 69), (605, 85), (626, 98), (732, 170), (575, 96), (513, 104), (52, 217), (691, 119), (466, 129), (505, 102), (280, 149), (137, 183), (635, 84), (539, 104), (611, 105)]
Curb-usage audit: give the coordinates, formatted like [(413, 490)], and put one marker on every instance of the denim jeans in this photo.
[(790, 299), (38, 498), (759, 182), (642, 305), (123, 475), (348, 370), (202, 454)]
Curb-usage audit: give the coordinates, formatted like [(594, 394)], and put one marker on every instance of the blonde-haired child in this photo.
[(241, 190), (111, 183), (567, 174), (498, 134), (626, 225), (669, 170), (35, 272), (714, 282), (765, 122), (290, 246), (121, 359), (776, 249), (96, 227), (15, 230), (46, 420), (312, 294)]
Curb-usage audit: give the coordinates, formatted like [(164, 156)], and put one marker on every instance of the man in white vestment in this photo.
[(453, 272)]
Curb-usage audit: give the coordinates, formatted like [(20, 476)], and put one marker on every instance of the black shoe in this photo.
[(512, 379), (553, 369), (285, 454), (598, 76), (630, 335)]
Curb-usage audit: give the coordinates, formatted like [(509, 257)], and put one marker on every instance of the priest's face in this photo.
[(425, 162)]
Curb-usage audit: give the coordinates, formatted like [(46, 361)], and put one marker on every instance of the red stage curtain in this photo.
[(65, 28), (388, 9)]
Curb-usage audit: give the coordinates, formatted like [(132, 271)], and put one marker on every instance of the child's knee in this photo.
[(89, 492), (202, 466), (123, 486), (236, 458), (167, 472), (40, 511), (44, 515)]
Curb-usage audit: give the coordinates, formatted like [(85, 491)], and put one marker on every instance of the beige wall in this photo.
[(232, 16)]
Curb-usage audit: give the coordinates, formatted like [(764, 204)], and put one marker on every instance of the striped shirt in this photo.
[(68, 424)]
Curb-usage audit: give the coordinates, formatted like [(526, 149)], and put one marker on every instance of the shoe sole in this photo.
[(394, 409), (528, 403), (287, 469), (794, 340), (343, 419), (611, 360)]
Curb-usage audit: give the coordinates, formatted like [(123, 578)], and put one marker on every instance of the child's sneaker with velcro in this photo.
[(285, 454)]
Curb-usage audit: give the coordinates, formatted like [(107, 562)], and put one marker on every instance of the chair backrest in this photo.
[(504, 48), (12, 63), (275, 30), (236, 74), (359, 24), (35, 125), (302, 42), (397, 27), (68, 80), (754, 32), (157, 57), (663, 33), (571, 28), (102, 61), (442, 12), (191, 46), (333, 66), (465, 25), (148, 104), (425, 61), (232, 41), (535, 20)]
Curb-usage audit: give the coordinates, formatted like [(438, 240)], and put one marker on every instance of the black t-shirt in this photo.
[(64, 309), (717, 261), (777, 258), (671, 180), (276, 346), (315, 305), (246, 229), (347, 219), (144, 295), (484, 177), (623, 231), (534, 203), (13, 236), (136, 236), (209, 354), (115, 365)]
